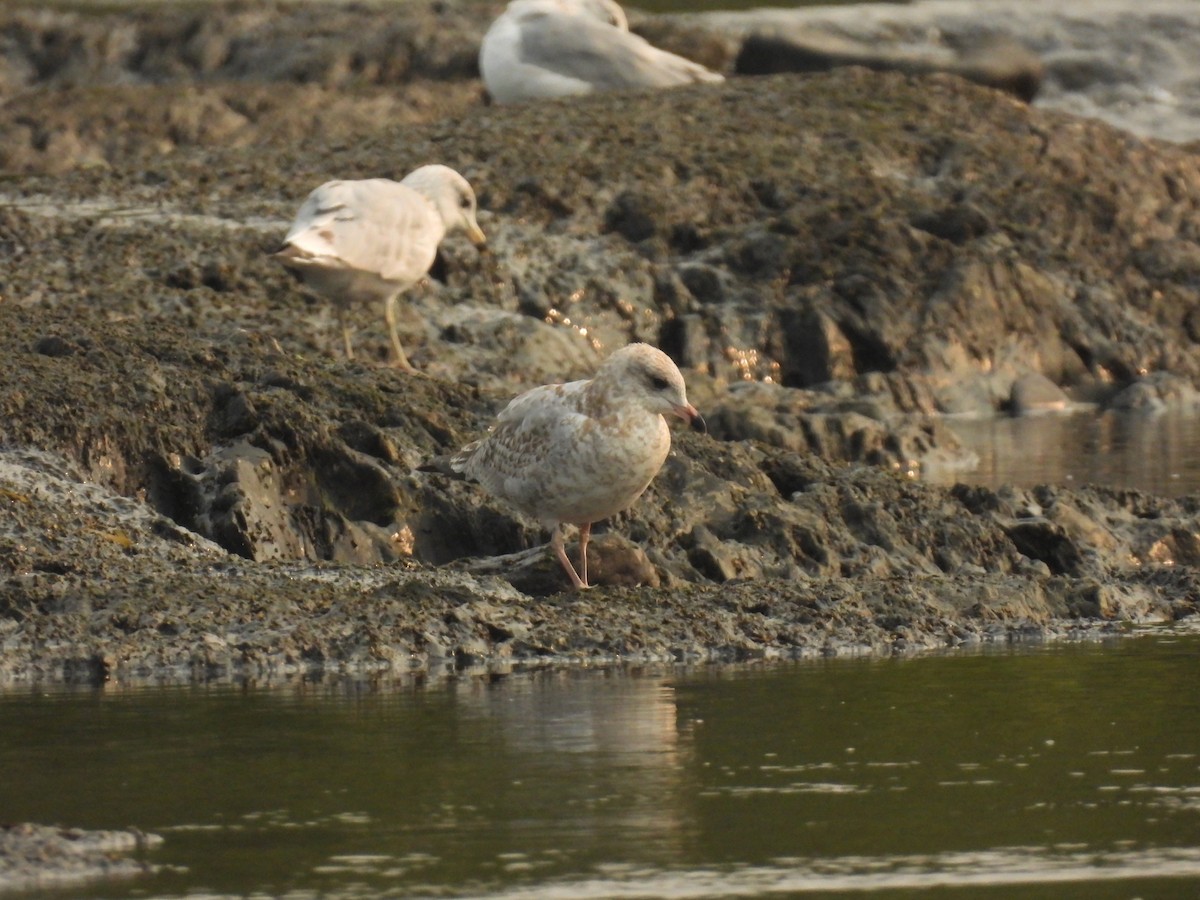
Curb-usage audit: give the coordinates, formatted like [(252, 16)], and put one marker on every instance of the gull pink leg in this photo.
[(556, 542)]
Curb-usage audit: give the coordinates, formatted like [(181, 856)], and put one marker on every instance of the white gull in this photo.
[(580, 452), (369, 240), (555, 48)]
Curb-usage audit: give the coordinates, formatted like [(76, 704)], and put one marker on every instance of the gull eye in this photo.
[(659, 383), (465, 202)]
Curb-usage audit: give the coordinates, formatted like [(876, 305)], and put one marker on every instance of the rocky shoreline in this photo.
[(41, 857), (195, 485)]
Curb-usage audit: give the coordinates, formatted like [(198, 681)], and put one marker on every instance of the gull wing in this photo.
[(533, 438), (374, 225), (586, 49)]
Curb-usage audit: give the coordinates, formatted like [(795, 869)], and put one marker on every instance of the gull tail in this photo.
[(453, 465)]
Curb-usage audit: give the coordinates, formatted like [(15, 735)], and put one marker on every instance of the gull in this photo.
[(580, 452), (368, 240), (555, 48)]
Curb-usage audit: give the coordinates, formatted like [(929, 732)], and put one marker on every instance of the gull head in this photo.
[(607, 11), (648, 377), (453, 197)]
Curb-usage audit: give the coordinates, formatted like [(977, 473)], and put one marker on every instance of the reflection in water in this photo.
[(1159, 454), (603, 713), (1072, 772), (611, 731)]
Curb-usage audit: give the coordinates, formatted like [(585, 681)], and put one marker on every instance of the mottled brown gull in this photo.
[(580, 452), (556, 48), (368, 240)]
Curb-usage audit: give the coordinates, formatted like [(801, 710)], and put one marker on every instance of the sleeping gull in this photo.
[(368, 240), (580, 452), (554, 48)]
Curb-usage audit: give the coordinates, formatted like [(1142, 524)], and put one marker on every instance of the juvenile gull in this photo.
[(368, 240), (580, 452), (555, 48)]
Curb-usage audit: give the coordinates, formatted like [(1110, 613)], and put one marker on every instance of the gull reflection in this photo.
[(597, 753)]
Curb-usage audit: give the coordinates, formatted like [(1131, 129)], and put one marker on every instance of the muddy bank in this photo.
[(195, 483), (137, 598), (741, 550)]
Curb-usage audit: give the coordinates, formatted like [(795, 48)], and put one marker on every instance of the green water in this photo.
[(1070, 771)]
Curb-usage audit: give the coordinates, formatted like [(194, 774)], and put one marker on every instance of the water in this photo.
[(1158, 454), (1065, 772)]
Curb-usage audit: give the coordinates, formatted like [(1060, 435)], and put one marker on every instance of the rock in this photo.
[(618, 562), (635, 217), (36, 856), (512, 348), (249, 506), (1155, 393), (1035, 393), (809, 422), (1181, 546), (999, 62), (819, 351), (706, 283), (721, 561), (55, 345)]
